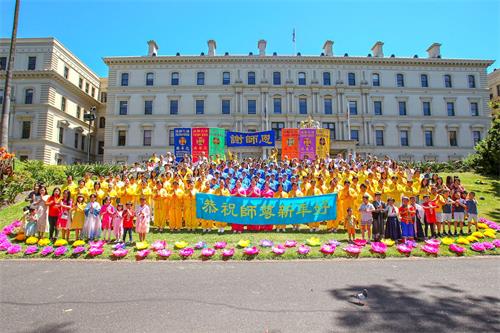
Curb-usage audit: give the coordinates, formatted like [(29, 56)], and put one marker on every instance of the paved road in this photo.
[(459, 295)]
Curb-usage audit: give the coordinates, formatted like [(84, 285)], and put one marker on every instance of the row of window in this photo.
[(301, 79), (276, 127), (303, 109), (31, 63), (78, 141)]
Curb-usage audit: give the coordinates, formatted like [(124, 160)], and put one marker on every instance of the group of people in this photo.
[(380, 197)]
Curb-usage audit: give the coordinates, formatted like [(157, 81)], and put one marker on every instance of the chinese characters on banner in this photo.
[(322, 142), (258, 139), (199, 142), (217, 138), (307, 143), (264, 211), (290, 143), (182, 142)]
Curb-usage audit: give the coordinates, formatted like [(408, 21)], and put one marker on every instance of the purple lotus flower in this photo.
[(120, 253), (488, 246), (47, 250), (13, 249), (3, 237), (333, 242), (207, 252), (496, 242), (303, 250), (7, 230), (228, 253), (404, 249), (186, 252), (430, 249), (478, 247), (31, 250), (78, 250), (16, 224), (251, 251), (278, 249), (159, 245), (220, 245), (433, 242), (61, 250), (119, 246), (290, 243), (5, 245), (95, 251), (99, 243), (327, 249), (360, 242), (266, 243), (352, 249), (412, 243), (378, 247), (142, 254), (459, 250), (163, 253), (200, 245)]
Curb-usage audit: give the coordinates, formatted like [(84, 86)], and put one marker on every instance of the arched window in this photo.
[(28, 96)]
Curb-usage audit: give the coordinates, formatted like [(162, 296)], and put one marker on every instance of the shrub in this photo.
[(14, 185), (46, 174), (486, 160)]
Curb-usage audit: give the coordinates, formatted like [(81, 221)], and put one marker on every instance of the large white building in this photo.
[(408, 108), (51, 91)]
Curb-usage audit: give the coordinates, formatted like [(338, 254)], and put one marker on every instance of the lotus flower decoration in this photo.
[(266, 243), (327, 249), (227, 253), (447, 240), (181, 244), (463, 240), (60, 242), (163, 253), (31, 249), (119, 253), (404, 249), (60, 251), (78, 250), (47, 250), (159, 245), (430, 249), (43, 242), (378, 247), (32, 240), (278, 249), (303, 250), (14, 248), (313, 241), (360, 242), (388, 242), (352, 250), (243, 243), (220, 245), (207, 252), (95, 251), (186, 252), (142, 254), (78, 243), (251, 251), (457, 249), (290, 243)]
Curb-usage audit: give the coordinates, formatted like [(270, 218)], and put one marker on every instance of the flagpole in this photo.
[(294, 44), (348, 121)]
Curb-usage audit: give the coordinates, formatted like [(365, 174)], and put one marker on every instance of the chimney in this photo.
[(434, 50), (377, 50), (328, 48), (262, 47), (212, 45), (152, 48)]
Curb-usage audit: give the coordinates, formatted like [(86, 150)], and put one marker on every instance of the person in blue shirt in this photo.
[(471, 204)]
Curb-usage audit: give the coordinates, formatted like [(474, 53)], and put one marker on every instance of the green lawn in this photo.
[(488, 207)]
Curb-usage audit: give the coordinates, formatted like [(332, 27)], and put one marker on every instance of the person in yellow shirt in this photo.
[(332, 225), (89, 183), (146, 192), (189, 199), (222, 191), (346, 199), (160, 206), (280, 194), (113, 194), (100, 194), (206, 225), (313, 190), (82, 190), (295, 193), (71, 186), (175, 207)]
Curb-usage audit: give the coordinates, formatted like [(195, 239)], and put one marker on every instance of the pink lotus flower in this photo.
[(360, 242), (303, 250), (120, 253), (251, 251), (266, 243), (496, 242), (290, 243), (142, 254), (163, 254), (433, 242), (207, 252), (5, 245), (7, 230), (13, 249), (16, 224), (353, 250), (327, 249), (488, 246), (378, 247), (99, 243), (457, 249), (412, 243), (47, 250), (159, 245), (430, 249), (278, 249), (186, 252), (61, 250), (3, 237), (478, 247), (119, 246), (31, 250), (404, 249), (200, 245), (333, 242), (95, 251), (227, 253), (220, 245), (78, 250)]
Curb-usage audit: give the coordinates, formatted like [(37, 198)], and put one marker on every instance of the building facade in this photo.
[(51, 91), (431, 109)]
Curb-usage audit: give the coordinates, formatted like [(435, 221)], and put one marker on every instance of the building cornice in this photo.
[(296, 60)]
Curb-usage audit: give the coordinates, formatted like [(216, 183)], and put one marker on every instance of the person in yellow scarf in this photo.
[(160, 206), (206, 225), (332, 225), (346, 199), (223, 191), (189, 198), (175, 207), (280, 194), (295, 193), (313, 190)]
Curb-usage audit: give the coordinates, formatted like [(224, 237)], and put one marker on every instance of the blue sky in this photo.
[(93, 29)]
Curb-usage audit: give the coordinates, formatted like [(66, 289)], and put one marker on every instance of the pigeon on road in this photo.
[(361, 297)]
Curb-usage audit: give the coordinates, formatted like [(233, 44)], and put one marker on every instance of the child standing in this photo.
[(143, 219), (107, 212), (350, 224), (118, 223), (128, 221), (430, 215), (366, 210), (393, 226), (31, 219), (406, 213), (78, 216), (471, 204), (64, 220), (92, 225), (458, 213)]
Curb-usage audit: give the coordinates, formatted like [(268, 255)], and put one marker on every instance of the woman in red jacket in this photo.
[(54, 204)]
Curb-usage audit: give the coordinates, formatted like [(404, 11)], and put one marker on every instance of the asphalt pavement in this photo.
[(404, 295)]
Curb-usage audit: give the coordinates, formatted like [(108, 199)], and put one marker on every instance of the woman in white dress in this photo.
[(92, 226), (39, 203)]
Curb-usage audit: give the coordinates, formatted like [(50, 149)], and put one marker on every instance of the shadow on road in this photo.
[(394, 307), (64, 327)]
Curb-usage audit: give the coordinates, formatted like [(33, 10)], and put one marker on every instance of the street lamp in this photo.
[(90, 117)]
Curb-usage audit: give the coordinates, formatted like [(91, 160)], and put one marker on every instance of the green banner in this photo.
[(216, 142)]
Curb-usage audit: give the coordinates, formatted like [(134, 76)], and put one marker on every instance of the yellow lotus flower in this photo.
[(43, 242), (313, 241), (61, 242), (478, 234), (78, 243), (243, 243), (482, 225), (472, 239), (462, 240), (142, 245), (490, 233), (447, 240), (32, 240), (388, 242), (181, 244)]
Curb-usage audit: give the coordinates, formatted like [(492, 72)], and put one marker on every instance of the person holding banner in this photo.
[(280, 194), (206, 225), (221, 190), (312, 191), (238, 191), (295, 193), (267, 193), (253, 192)]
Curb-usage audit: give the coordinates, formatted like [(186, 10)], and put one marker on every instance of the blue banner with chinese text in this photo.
[(263, 211), (257, 139), (182, 143)]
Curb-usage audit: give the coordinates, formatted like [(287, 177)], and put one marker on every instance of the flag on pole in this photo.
[(293, 35), (348, 121)]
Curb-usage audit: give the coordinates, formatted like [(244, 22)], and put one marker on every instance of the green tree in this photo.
[(486, 159)]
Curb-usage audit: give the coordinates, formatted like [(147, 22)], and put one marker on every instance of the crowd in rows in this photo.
[(379, 197)]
